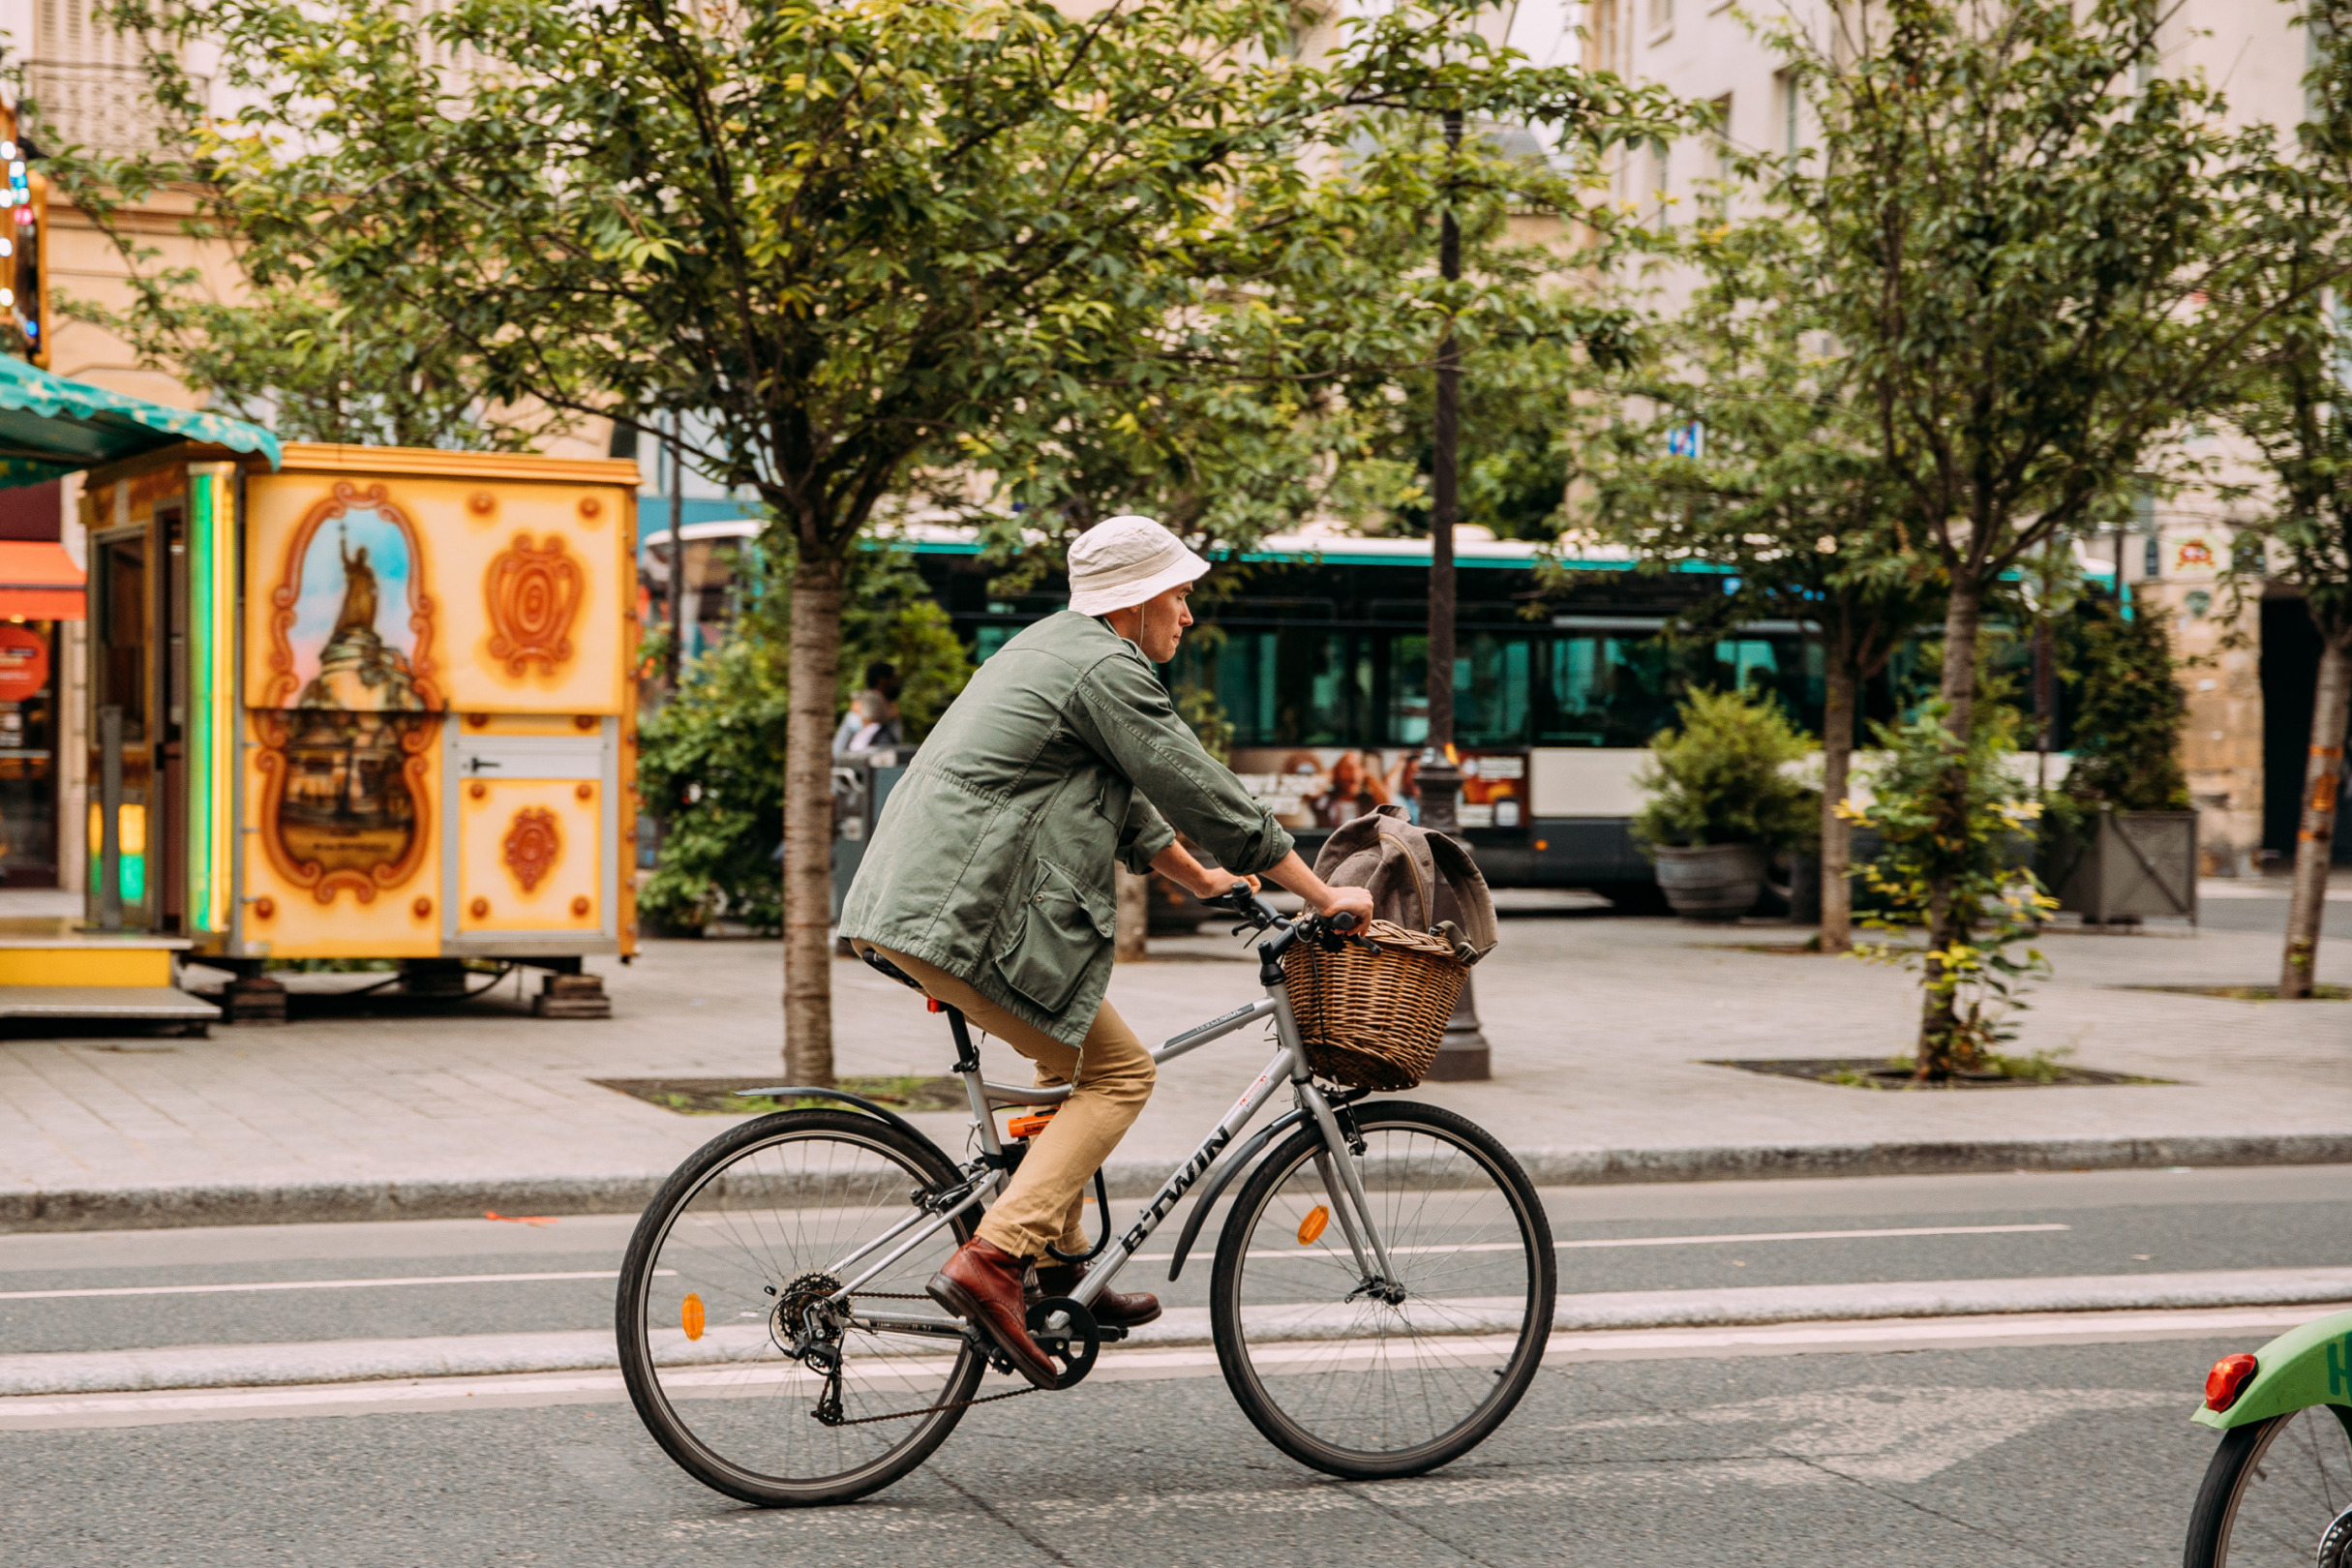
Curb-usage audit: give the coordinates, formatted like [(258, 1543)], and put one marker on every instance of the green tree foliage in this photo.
[(2128, 709), (1725, 775), (2031, 240), (854, 240), (1956, 825), (2294, 413), (1737, 439), (707, 759)]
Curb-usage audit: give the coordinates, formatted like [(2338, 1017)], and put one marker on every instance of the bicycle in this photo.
[(1379, 1300), (2280, 1487)]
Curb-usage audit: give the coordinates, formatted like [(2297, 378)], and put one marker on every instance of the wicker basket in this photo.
[(1372, 1020)]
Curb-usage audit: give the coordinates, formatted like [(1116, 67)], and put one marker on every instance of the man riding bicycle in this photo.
[(989, 882)]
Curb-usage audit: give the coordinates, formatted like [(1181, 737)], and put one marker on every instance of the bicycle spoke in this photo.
[(741, 1257), (2298, 1483), (1351, 1368)]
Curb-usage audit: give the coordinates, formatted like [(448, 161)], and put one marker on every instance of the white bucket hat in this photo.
[(1126, 561)]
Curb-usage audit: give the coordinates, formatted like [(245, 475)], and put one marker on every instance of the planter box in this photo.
[(2130, 865), (1715, 882)]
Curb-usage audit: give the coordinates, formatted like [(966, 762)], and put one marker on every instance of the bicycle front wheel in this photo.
[(2277, 1495), (722, 1356), (1366, 1375)]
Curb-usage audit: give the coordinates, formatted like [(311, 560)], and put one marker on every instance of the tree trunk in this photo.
[(1135, 917), (1837, 833), (2316, 839), (808, 824), (1948, 923)]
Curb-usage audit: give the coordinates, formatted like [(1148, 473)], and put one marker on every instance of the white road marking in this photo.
[(1140, 1257), (1680, 1241), (1619, 1345), (313, 1284)]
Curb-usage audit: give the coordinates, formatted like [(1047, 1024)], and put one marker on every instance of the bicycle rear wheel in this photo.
[(1365, 1377), (749, 1232), (2272, 1492)]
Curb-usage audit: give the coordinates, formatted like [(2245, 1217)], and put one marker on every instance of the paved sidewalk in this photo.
[(1601, 1030)]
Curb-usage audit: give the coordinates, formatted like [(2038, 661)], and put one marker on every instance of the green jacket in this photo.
[(993, 859)]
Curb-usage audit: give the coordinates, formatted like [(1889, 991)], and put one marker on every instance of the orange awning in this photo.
[(39, 580)]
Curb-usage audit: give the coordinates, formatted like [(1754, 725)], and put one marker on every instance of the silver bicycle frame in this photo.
[(1288, 1065)]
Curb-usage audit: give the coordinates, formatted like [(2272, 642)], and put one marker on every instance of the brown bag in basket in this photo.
[(1418, 879), (1371, 1018)]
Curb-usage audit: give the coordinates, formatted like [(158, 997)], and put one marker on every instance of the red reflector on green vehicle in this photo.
[(2229, 1379)]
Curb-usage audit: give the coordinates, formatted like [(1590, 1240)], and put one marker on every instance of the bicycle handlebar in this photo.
[(1239, 899)]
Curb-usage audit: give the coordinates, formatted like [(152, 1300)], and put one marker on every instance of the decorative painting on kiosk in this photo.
[(350, 713)]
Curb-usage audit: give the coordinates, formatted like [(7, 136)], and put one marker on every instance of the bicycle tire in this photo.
[(2309, 1455), (701, 1179), (1283, 1421)]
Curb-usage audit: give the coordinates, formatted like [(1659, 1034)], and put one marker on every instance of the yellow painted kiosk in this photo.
[(365, 703)]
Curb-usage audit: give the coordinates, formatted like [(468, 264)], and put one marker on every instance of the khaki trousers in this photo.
[(1110, 1076)]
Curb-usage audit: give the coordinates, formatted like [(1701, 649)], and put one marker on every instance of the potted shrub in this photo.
[(2119, 841), (1723, 799)]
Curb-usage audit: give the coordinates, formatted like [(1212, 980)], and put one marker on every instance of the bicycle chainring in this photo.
[(1072, 1343)]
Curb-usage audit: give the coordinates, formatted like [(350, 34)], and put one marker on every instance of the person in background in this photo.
[(1355, 788), (872, 720)]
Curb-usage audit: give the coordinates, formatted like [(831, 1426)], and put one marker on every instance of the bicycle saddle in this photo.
[(877, 961)]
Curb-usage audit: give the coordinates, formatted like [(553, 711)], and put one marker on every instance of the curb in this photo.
[(143, 1208), (474, 1355)]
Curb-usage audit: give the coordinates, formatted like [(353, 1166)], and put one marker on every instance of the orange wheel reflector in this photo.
[(1312, 1225), (690, 1316), (2229, 1379)]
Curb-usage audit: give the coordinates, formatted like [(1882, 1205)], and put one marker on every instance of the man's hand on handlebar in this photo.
[(1347, 908), (1324, 899)]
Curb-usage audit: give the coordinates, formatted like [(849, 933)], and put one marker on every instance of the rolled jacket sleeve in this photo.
[(1127, 715), (1143, 835)]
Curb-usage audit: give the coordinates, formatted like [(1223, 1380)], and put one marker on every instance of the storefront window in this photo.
[(28, 754)]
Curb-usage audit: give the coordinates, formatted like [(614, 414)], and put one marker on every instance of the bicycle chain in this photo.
[(928, 1410), (931, 1409)]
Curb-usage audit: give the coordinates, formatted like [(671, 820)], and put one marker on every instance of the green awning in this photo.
[(51, 427)]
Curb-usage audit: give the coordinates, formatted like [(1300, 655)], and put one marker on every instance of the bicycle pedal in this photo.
[(1106, 1333)]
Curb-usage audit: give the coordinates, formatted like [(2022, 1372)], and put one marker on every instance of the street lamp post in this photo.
[(678, 558), (1462, 1054)]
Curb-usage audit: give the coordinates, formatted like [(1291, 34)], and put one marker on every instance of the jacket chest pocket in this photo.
[(1059, 930)]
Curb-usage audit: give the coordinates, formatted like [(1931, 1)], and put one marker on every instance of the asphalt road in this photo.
[(2034, 1451), (2017, 1456), (127, 1289)]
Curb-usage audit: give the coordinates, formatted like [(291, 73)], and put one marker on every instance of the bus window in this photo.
[(1746, 662), (1335, 704), (1288, 685), (986, 639), (1408, 689), (1608, 691), (1491, 690)]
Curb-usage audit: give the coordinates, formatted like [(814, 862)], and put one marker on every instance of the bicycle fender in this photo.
[(1222, 1176), (859, 1101), (2304, 1367)]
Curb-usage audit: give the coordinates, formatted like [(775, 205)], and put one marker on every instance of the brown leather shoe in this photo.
[(1113, 1308), (982, 1283)]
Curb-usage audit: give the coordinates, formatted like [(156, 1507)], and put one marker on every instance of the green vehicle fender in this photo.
[(2304, 1367)]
